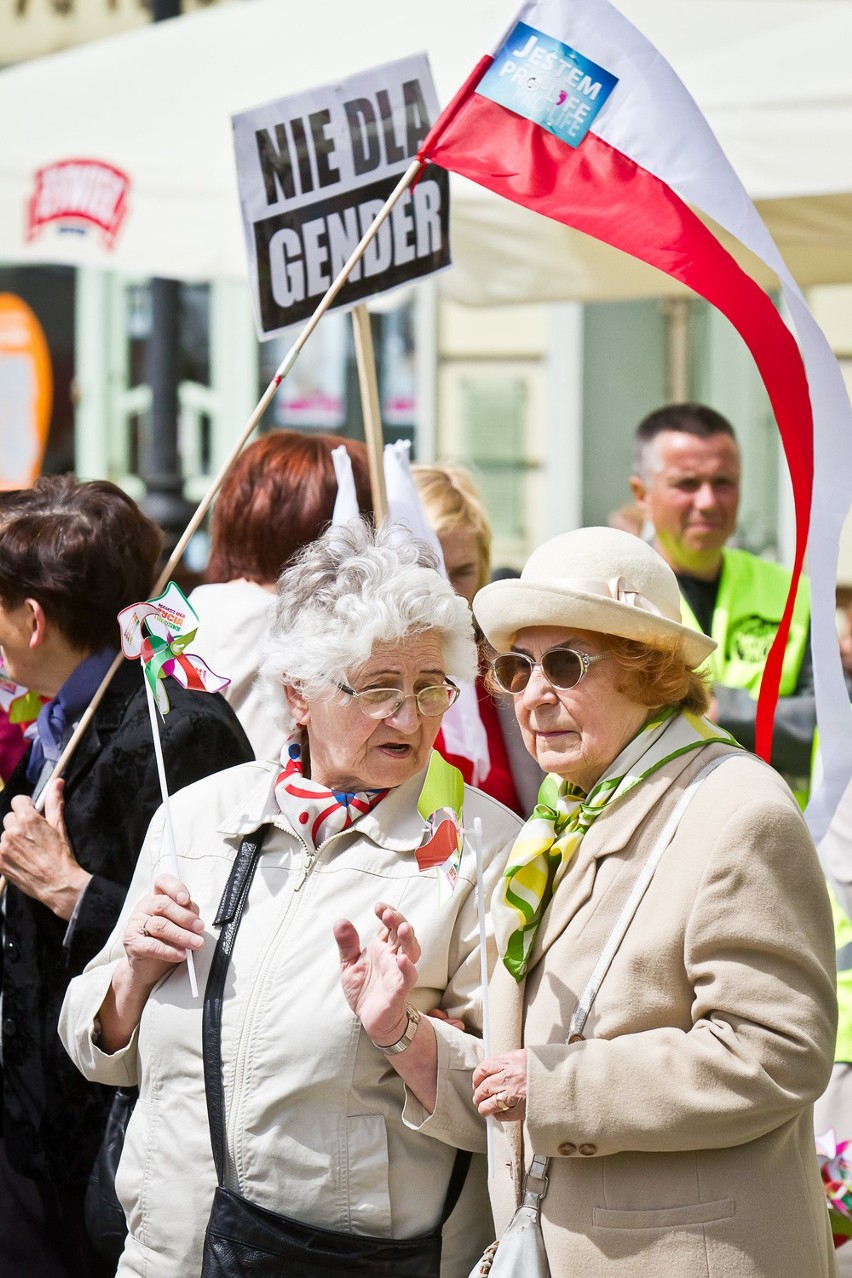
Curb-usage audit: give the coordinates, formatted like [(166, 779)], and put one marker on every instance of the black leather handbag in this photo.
[(103, 1213), (247, 1241)]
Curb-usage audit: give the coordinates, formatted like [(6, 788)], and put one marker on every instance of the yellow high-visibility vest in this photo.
[(749, 606), (843, 947)]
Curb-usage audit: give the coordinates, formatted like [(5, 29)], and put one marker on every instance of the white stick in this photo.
[(167, 812), (476, 844)]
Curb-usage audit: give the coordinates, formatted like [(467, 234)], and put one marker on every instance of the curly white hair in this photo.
[(352, 588)]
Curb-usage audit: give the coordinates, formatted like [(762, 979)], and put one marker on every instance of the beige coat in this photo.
[(680, 1131), (314, 1123)]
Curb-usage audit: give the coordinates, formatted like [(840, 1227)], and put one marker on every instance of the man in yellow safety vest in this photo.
[(686, 483)]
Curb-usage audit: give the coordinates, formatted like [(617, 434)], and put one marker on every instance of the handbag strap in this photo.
[(228, 918), (535, 1181), (631, 905)]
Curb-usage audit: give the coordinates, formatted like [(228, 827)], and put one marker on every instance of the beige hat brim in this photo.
[(505, 607)]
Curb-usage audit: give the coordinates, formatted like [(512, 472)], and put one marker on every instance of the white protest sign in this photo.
[(315, 168)]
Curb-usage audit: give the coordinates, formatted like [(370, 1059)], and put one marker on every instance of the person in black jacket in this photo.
[(72, 555)]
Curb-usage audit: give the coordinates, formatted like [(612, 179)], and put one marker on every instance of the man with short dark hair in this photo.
[(72, 555), (686, 483)]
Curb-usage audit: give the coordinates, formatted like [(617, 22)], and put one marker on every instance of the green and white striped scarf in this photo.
[(548, 841)]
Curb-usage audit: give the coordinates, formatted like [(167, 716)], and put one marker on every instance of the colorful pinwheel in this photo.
[(835, 1163), (157, 633)]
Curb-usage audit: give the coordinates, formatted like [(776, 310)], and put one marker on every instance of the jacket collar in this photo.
[(395, 824), (106, 720), (611, 832)]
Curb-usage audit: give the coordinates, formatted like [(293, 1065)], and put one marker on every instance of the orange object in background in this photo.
[(26, 393)]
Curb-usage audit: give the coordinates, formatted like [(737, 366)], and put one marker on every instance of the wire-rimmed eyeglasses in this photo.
[(382, 703), (561, 667)]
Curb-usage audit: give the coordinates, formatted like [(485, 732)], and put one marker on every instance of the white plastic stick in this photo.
[(476, 844), (167, 812)]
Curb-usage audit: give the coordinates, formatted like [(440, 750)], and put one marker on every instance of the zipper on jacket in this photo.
[(311, 858), (255, 998), (309, 863)]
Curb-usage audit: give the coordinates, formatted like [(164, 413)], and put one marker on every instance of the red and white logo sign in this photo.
[(78, 194)]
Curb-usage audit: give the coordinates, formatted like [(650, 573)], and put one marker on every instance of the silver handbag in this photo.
[(520, 1252)]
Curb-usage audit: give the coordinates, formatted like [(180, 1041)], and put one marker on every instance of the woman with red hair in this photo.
[(277, 497)]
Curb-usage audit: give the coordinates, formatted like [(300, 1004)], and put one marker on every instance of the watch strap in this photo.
[(391, 1049)]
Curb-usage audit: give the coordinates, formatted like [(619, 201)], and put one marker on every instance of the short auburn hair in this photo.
[(657, 676), (83, 551), (278, 496)]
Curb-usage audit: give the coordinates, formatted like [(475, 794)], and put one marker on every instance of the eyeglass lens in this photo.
[(380, 703), (561, 666)]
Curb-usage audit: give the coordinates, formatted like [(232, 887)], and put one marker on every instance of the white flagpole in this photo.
[(476, 843), (167, 812)]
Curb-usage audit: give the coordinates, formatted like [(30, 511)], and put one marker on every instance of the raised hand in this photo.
[(378, 978)]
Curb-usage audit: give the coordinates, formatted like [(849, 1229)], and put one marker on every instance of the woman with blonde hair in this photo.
[(457, 514)]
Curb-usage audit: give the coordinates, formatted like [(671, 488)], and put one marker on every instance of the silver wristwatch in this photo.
[(410, 1030)]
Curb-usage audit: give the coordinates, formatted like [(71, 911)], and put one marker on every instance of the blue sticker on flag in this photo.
[(545, 81)]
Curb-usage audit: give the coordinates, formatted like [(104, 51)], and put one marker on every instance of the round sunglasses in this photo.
[(561, 667)]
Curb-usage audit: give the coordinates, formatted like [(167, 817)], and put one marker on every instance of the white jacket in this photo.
[(314, 1111)]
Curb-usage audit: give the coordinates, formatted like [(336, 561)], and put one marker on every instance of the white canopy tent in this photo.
[(771, 76)]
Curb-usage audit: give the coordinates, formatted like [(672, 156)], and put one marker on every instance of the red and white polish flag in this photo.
[(577, 116)]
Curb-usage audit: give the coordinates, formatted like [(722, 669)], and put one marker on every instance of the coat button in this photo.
[(10, 1029), (567, 1148), (588, 1149)]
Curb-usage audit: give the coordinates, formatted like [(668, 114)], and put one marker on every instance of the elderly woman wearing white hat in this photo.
[(663, 1010)]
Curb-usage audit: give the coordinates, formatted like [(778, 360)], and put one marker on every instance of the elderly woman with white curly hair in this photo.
[(320, 1052)]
